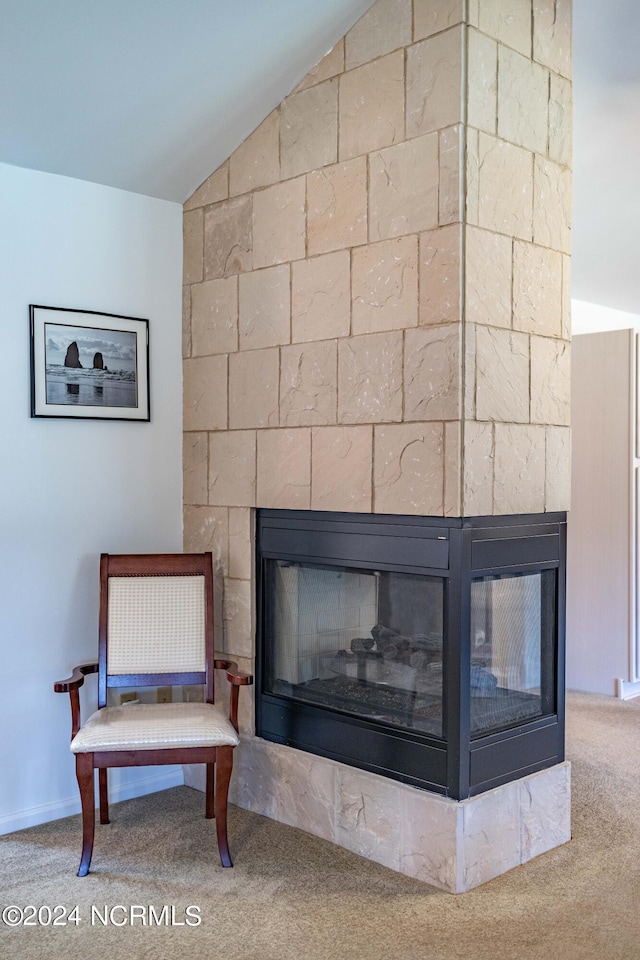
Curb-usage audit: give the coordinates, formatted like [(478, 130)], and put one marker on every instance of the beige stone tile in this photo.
[(403, 188), (253, 389), (195, 466), (372, 106), (192, 237), (430, 17), (545, 810), (432, 373), (386, 26), (552, 34), (537, 289), (341, 468), (502, 375), (508, 21), (207, 528), (321, 297), (384, 286), (227, 238), (409, 469), (205, 393), (488, 277), (284, 469), (214, 188), (214, 316), (265, 308), (505, 188), (367, 820), (440, 268), (306, 793), (241, 543), (308, 384), (186, 321), (519, 484), (469, 393), (452, 468), (450, 196), (558, 469), (472, 173), (232, 469), (523, 100), (430, 828), (256, 162), (247, 700), (337, 206), (370, 378), (560, 121), (479, 455), (490, 835), (330, 66), (434, 83), (473, 13), (279, 223), (552, 205), (309, 129), (550, 381), (566, 297), (238, 620), (482, 81), (255, 777)]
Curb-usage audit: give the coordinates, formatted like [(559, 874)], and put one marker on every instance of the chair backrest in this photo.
[(156, 621)]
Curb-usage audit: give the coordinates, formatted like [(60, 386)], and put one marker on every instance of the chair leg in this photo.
[(210, 810), (84, 773), (104, 795), (224, 763)]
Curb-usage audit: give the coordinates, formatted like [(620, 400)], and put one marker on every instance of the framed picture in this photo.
[(86, 364)]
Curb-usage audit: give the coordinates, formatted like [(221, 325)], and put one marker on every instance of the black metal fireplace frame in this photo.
[(458, 550)]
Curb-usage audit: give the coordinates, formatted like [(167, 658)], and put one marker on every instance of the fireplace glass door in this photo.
[(366, 642), (512, 650)]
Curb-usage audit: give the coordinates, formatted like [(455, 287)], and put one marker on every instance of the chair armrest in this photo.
[(76, 679), (71, 686), (237, 679), (233, 674)]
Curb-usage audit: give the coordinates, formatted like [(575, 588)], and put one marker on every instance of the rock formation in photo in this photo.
[(72, 358)]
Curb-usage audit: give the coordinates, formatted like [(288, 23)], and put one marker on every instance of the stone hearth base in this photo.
[(453, 845)]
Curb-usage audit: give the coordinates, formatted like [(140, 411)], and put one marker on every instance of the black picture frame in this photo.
[(88, 365)]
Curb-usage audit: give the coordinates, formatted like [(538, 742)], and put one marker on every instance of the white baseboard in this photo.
[(173, 777), (626, 689)]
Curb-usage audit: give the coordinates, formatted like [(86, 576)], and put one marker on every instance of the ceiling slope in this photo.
[(151, 95)]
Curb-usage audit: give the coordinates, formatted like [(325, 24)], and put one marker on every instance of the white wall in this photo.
[(71, 489), (594, 318)]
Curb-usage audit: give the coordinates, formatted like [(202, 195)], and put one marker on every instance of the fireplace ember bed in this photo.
[(425, 649)]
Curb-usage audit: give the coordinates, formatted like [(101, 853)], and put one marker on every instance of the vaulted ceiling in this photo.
[(151, 95)]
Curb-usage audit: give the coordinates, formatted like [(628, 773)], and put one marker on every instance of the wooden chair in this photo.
[(155, 629)]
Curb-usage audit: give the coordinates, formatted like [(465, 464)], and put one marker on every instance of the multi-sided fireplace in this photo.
[(425, 649)]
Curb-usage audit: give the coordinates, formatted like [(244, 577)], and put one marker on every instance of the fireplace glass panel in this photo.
[(365, 642), (512, 650)]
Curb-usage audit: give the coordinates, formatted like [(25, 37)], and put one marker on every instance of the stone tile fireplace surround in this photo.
[(376, 320)]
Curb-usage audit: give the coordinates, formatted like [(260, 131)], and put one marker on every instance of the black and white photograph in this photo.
[(89, 365)]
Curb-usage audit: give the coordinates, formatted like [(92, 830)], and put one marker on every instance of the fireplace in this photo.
[(428, 650)]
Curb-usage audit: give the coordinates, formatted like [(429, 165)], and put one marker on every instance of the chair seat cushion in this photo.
[(155, 726)]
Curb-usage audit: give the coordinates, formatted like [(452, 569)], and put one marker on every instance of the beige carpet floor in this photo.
[(292, 896)]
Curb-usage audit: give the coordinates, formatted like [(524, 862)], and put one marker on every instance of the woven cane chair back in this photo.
[(156, 621), (156, 625)]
